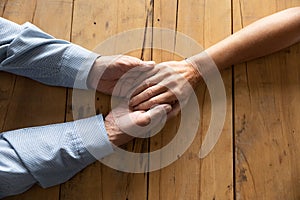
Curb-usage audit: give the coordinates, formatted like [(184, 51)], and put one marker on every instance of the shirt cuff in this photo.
[(80, 59), (93, 136), (55, 153)]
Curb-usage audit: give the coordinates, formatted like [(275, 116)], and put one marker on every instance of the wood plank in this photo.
[(163, 18), (7, 82), (94, 21), (217, 168), (266, 116), (2, 7), (189, 177), (32, 103), (126, 185), (9, 10)]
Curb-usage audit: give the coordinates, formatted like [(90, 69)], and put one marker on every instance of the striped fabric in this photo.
[(47, 155)]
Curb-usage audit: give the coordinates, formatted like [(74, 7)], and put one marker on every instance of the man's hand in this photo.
[(173, 82), (107, 70), (121, 120)]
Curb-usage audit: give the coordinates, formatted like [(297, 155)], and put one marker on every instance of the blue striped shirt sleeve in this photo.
[(27, 51), (47, 155)]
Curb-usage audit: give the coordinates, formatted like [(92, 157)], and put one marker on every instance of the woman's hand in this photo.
[(172, 82)]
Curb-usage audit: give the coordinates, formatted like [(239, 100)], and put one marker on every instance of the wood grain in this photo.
[(31, 103), (189, 177), (103, 20), (7, 82), (266, 115), (262, 127), (217, 167)]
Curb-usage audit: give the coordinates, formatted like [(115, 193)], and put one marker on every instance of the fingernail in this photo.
[(149, 62), (168, 108), (130, 103)]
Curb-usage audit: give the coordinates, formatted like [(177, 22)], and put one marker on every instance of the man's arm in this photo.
[(50, 155), (27, 51), (260, 38)]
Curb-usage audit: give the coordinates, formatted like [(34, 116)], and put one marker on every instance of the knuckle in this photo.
[(146, 121), (150, 93), (146, 83), (153, 102), (169, 73)]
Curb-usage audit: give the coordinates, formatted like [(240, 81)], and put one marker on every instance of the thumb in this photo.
[(175, 111), (158, 114), (141, 66), (141, 123), (149, 63), (158, 117)]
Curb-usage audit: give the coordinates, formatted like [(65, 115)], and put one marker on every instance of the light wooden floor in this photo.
[(257, 156)]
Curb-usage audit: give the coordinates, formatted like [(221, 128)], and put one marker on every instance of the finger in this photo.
[(126, 87), (142, 66), (163, 98), (135, 74), (139, 74), (158, 75), (158, 113), (121, 87), (166, 97), (132, 81), (147, 83), (128, 62), (149, 64), (127, 83), (138, 87), (131, 62), (143, 118), (147, 94), (114, 88), (147, 121), (175, 111)]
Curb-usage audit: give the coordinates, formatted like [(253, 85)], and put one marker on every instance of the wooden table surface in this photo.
[(257, 156)]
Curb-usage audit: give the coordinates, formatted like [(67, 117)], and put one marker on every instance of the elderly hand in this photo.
[(173, 81), (121, 121), (107, 70)]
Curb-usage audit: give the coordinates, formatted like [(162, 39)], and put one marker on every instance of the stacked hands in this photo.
[(155, 90), (151, 93)]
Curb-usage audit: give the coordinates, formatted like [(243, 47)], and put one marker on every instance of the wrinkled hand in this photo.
[(173, 81), (121, 120), (107, 70)]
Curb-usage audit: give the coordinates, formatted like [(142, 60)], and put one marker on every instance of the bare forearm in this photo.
[(260, 38)]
